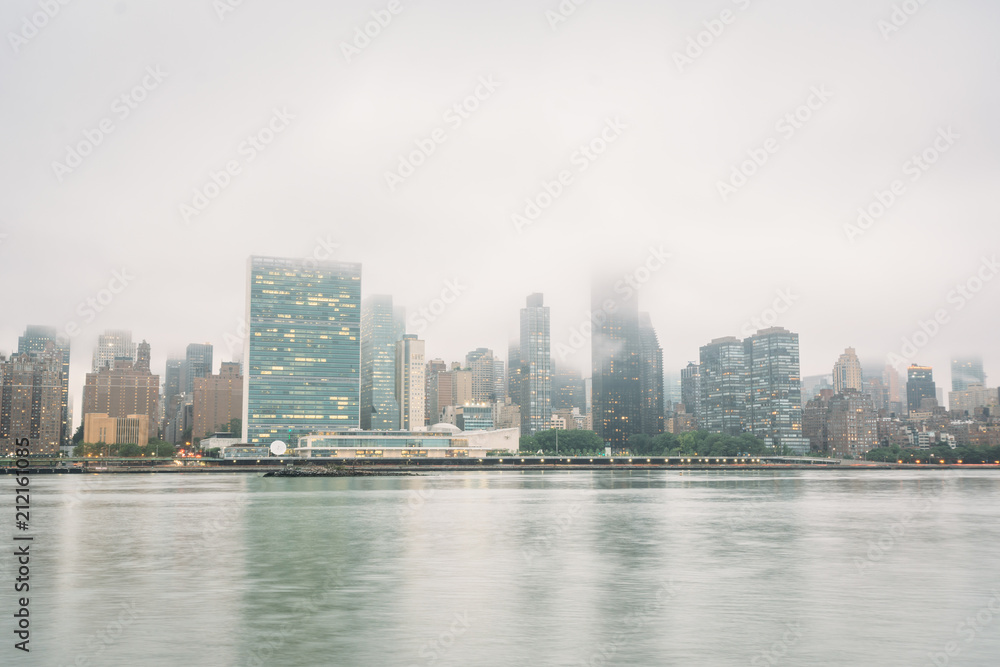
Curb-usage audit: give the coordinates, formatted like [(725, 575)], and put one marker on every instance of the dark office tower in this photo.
[(34, 342), (380, 331), (650, 378), (142, 357), (514, 372), (567, 389), (197, 364), (967, 371), (724, 386), (774, 397), (172, 378), (615, 364), (919, 385), (172, 399), (691, 390), (536, 367)]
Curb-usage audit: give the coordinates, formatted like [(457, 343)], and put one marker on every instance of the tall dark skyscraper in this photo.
[(536, 367), (650, 378), (381, 329), (34, 342), (172, 378), (919, 385), (615, 351)]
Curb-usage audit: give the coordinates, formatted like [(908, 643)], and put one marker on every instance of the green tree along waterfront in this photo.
[(703, 443), (938, 454), (155, 449)]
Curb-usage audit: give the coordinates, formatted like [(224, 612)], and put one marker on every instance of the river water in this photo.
[(510, 568)]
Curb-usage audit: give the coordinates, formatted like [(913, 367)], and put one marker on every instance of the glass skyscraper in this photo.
[(381, 328), (615, 354), (967, 371), (650, 378), (724, 386), (774, 398), (536, 367), (302, 351)]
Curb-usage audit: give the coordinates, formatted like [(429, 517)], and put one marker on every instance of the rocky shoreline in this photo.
[(322, 471)]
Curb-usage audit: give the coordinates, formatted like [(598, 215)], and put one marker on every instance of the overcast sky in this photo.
[(672, 119)]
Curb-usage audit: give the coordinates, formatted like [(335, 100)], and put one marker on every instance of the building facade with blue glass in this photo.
[(302, 352)]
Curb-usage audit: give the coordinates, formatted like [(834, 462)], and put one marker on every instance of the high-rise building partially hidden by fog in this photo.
[(650, 378), (847, 372), (967, 371), (410, 382), (111, 345), (31, 403), (536, 366), (774, 384), (724, 386), (198, 363), (302, 352), (487, 375), (615, 348), (35, 341), (380, 331)]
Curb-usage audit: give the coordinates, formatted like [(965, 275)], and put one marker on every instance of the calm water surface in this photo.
[(603, 568)]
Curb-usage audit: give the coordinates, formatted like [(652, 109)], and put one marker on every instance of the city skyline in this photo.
[(666, 130), (867, 363)]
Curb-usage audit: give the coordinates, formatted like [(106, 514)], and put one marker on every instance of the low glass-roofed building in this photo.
[(439, 441)]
